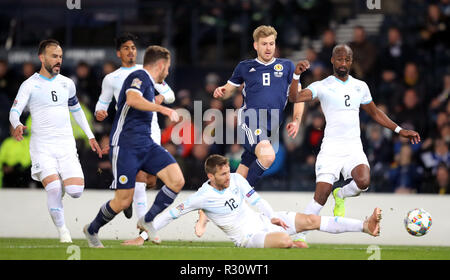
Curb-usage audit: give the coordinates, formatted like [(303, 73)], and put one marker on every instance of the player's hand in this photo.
[(219, 92), (293, 128), (411, 134), (172, 114), (18, 132), (279, 222), (100, 115), (159, 99), (95, 147), (105, 150), (301, 66)]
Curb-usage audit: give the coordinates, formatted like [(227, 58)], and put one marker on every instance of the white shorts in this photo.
[(329, 166), (256, 239), (52, 159)]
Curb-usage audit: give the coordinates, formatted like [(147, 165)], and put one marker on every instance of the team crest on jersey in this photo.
[(278, 67), (258, 131), (136, 83), (123, 179), (278, 70)]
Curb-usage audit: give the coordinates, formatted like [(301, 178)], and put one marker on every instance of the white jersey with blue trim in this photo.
[(111, 86), (48, 101), (227, 208), (340, 102)]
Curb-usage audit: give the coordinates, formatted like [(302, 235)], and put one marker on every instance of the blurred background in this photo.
[(401, 50)]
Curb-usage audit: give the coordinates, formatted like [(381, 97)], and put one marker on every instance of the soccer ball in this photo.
[(418, 222)]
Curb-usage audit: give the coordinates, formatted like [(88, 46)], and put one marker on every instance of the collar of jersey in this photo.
[(340, 81), (216, 190), (151, 78), (47, 79), (265, 64), (123, 67)]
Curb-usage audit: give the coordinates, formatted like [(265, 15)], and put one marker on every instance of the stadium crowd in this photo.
[(407, 68)]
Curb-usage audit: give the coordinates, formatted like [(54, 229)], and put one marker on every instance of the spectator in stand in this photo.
[(328, 43), (404, 176), (28, 69), (364, 55), (395, 55), (195, 166), (440, 183), (412, 79), (87, 86), (412, 114)]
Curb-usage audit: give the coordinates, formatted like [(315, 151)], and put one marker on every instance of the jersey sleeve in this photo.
[(106, 95), (315, 89), (137, 81), (193, 202), (237, 78), (366, 97), (73, 100), (19, 104), (251, 196)]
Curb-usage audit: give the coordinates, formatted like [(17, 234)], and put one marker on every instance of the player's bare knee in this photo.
[(362, 182)]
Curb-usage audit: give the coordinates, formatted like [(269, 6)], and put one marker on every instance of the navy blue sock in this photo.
[(163, 199), (255, 171), (104, 216)]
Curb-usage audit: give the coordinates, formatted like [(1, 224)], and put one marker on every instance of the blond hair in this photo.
[(264, 31)]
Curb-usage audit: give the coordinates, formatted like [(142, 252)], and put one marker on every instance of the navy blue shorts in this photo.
[(126, 163)]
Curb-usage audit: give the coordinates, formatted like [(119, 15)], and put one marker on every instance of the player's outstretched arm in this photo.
[(294, 126), (225, 91), (381, 118), (136, 101), (296, 95)]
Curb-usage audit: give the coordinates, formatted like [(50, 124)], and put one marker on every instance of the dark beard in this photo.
[(50, 70), (340, 73)]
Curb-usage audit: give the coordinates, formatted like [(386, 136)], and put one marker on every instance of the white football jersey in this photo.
[(48, 101), (111, 86), (340, 102), (227, 208)]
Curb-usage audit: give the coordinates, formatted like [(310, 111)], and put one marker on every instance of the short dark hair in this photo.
[(155, 53), (45, 43), (125, 37), (214, 161)]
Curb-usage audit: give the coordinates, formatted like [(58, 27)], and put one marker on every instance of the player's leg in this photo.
[(53, 187), (329, 224), (360, 182), (265, 156), (161, 163), (125, 165), (74, 186)]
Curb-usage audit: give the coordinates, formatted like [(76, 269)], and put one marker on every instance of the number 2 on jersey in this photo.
[(54, 96), (347, 98)]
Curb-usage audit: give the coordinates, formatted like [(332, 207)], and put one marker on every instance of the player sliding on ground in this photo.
[(222, 200)]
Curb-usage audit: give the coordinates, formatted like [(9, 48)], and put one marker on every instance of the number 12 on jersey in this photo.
[(230, 203)]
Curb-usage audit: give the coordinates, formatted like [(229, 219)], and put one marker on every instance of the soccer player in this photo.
[(111, 86), (340, 97), (49, 97), (266, 82), (225, 199), (132, 149)]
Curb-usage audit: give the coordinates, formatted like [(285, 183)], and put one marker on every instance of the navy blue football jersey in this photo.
[(266, 85), (131, 127)]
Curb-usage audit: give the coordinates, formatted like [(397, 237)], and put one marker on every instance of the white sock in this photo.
[(54, 202), (349, 190), (313, 208), (340, 224), (140, 199)]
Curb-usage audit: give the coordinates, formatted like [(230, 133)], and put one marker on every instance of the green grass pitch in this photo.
[(51, 249)]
